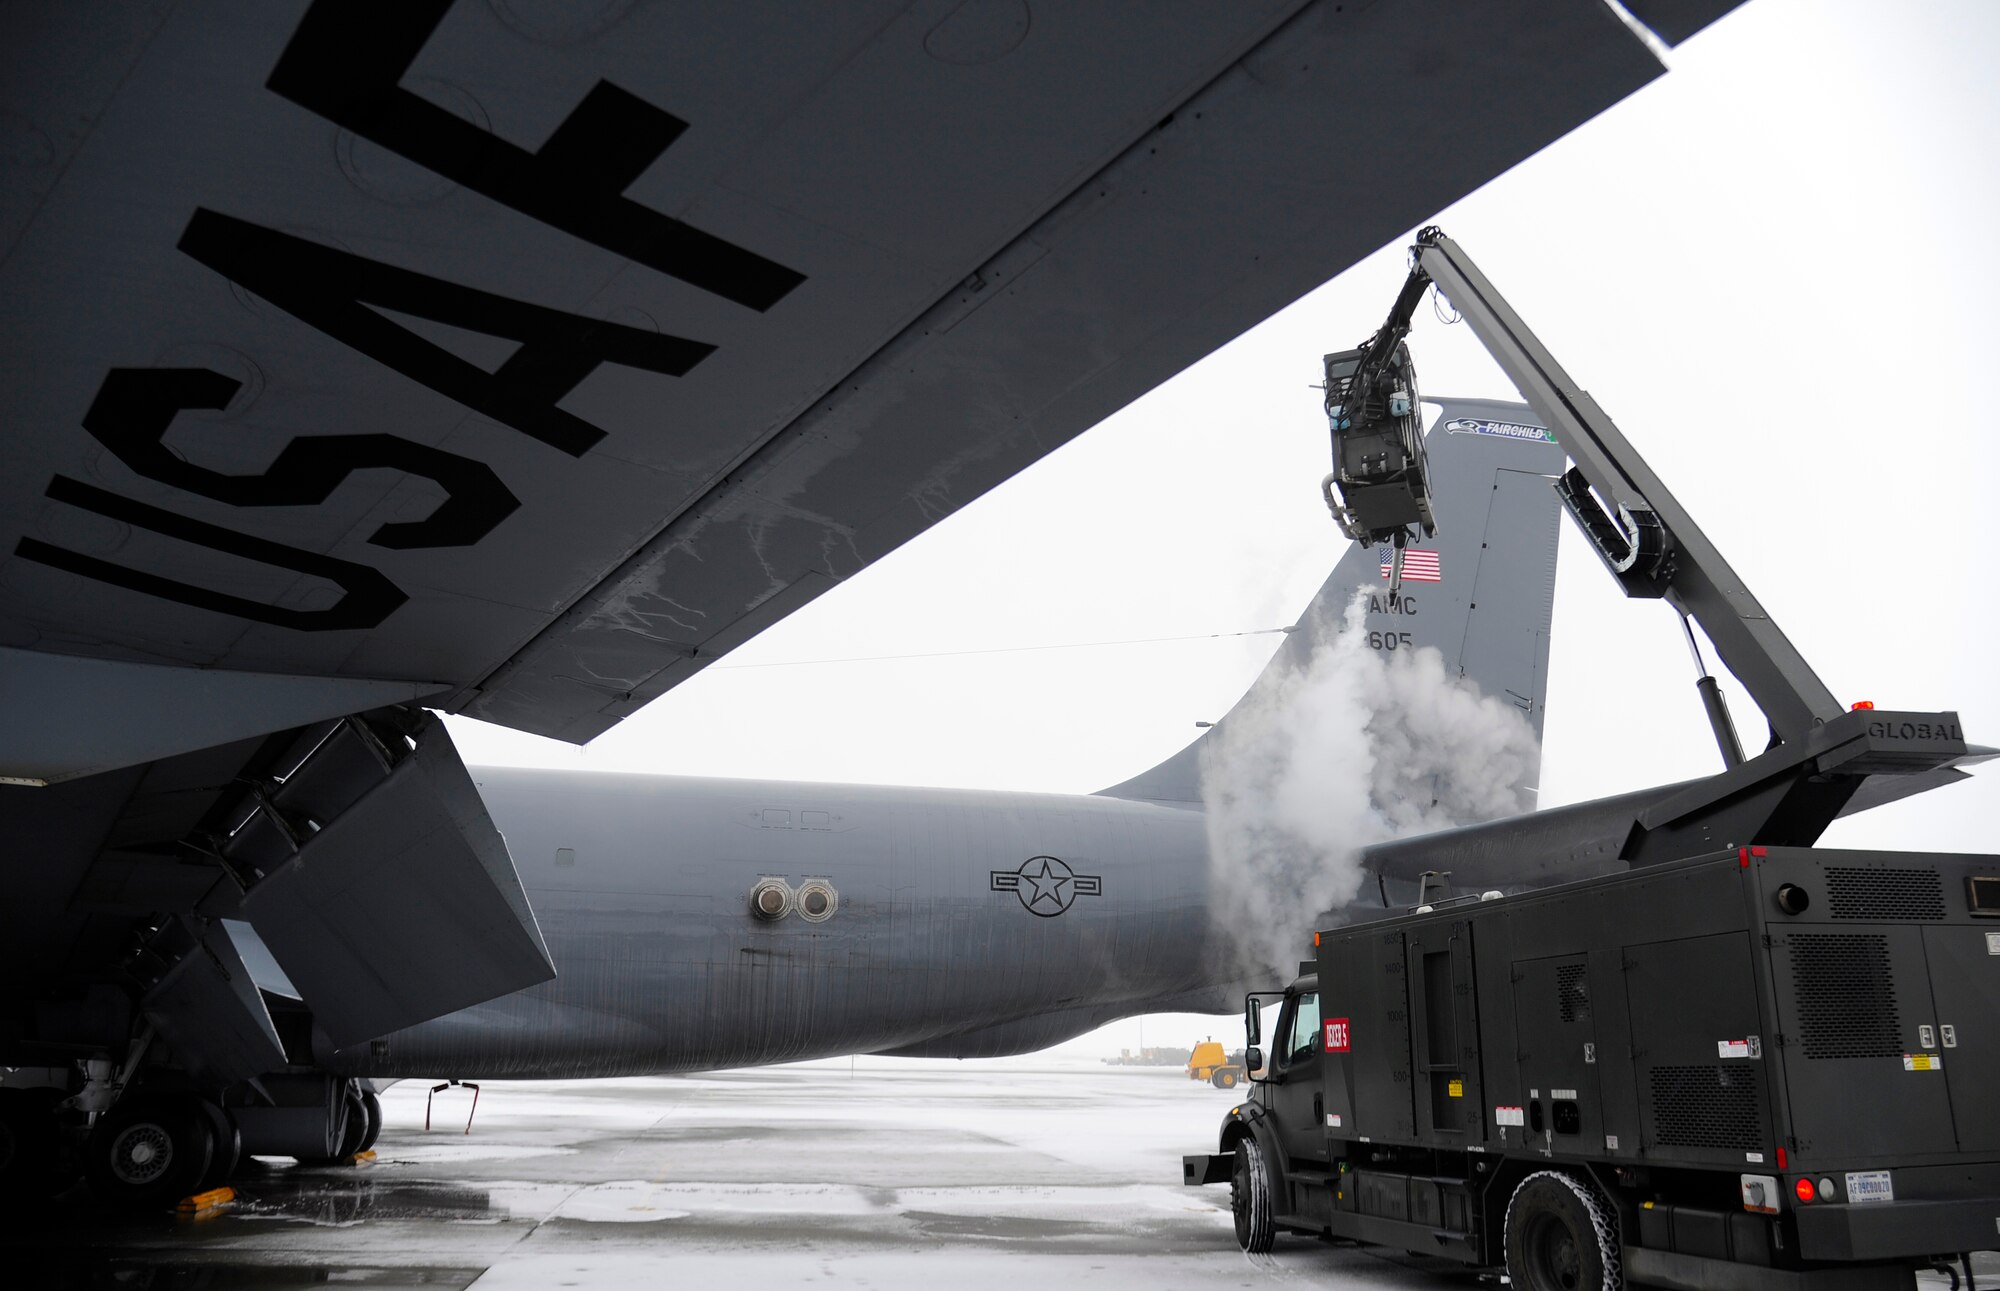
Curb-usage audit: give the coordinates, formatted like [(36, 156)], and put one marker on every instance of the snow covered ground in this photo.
[(1038, 1172), (1031, 1174)]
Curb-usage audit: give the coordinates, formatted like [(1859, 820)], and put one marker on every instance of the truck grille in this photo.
[(1706, 1107), (1572, 993), (1844, 997), (1855, 893)]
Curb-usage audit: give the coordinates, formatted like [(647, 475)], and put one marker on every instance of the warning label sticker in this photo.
[(1509, 1116), (1456, 1089), (1923, 1062)]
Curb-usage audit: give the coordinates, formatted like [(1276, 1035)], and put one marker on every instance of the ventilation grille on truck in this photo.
[(1572, 993), (1843, 995), (1707, 1107), (1884, 894)]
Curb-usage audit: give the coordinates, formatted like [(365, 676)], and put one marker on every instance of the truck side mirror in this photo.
[(1253, 1023), (1253, 1060)]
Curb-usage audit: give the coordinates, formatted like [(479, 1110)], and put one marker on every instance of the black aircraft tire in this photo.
[(373, 1105), (1251, 1197), (29, 1145), (149, 1152), (1560, 1237), (353, 1129), (228, 1152)]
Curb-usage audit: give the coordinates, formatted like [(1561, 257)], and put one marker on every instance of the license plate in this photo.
[(1870, 1185)]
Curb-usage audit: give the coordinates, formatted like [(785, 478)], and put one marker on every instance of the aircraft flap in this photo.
[(208, 1007), (404, 906)]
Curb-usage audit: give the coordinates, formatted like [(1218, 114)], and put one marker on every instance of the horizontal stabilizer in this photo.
[(404, 907)]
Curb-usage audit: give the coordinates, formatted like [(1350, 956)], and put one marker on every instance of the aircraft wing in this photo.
[(518, 359), (524, 359)]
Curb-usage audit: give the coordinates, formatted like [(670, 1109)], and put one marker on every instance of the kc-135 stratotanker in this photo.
[(369, 360), (1735, 1061)]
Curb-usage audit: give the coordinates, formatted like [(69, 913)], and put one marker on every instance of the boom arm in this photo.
[(1820, 756), (1647, 539)]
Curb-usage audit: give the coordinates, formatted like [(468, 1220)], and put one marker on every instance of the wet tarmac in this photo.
[(885, 1174)]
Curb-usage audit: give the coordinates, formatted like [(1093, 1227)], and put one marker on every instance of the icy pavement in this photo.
[(1024, 1173)]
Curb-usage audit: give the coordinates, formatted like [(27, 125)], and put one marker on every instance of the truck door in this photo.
[(1965, 988), (1444, 1034), (1299, 1099), (1556, 1032), (1367, 995), (1855, 1007)]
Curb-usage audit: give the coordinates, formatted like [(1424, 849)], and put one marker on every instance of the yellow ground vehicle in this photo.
[(1208, 1062)]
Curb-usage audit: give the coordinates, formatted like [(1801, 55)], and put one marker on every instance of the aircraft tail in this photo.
[(1481, 592)]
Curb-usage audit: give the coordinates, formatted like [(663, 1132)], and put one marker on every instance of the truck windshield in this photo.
[(1303, 1038)]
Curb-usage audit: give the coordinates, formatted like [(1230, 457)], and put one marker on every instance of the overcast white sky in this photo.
[(1776, 268)]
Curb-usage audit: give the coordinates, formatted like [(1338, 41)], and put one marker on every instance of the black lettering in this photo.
[(368, 596), (332, 290), (135, 407), (345, 63)]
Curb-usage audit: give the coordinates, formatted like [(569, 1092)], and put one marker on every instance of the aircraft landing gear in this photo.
[(228, 1142), (31, 1156), (359, 1124), (150, 1151), (373, 1106)]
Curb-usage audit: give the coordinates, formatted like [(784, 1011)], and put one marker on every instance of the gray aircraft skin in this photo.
[(960, 923), (372, 361)]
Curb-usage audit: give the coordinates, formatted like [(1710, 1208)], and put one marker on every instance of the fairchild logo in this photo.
[(1501, 429)]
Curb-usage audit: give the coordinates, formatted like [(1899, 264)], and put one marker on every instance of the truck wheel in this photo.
[(1225, 1080), (1560, 1236), (1250, 1197)]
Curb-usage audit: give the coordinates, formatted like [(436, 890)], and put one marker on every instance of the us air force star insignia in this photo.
[(1047, 886)]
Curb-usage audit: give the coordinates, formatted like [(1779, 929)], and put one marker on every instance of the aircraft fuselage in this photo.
[(963, 922)]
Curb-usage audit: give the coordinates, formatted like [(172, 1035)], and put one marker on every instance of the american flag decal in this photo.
[(1418, 566)]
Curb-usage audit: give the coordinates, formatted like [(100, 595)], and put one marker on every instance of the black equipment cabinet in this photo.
[(1675, 1037)]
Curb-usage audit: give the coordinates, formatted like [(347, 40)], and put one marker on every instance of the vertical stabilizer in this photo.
[(1481, 592)]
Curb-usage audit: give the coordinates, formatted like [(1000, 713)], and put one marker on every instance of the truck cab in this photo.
[(1275, 1137)]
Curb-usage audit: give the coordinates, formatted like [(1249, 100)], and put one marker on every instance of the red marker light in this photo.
[(1804, 1189), (1781, 1158), (1863, 706)]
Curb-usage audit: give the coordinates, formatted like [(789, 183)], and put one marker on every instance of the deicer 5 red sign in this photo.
[(1336, 1035)]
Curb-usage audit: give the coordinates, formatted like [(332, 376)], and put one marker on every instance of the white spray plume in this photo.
[(1319, 762)]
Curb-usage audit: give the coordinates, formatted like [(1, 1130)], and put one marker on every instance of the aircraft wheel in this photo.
[(228, 1152), (373, 1106), (30, 1145), (149, 1151), (1560, 1236), (1250, 1197), (353, 1129), (1224, 1080)]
